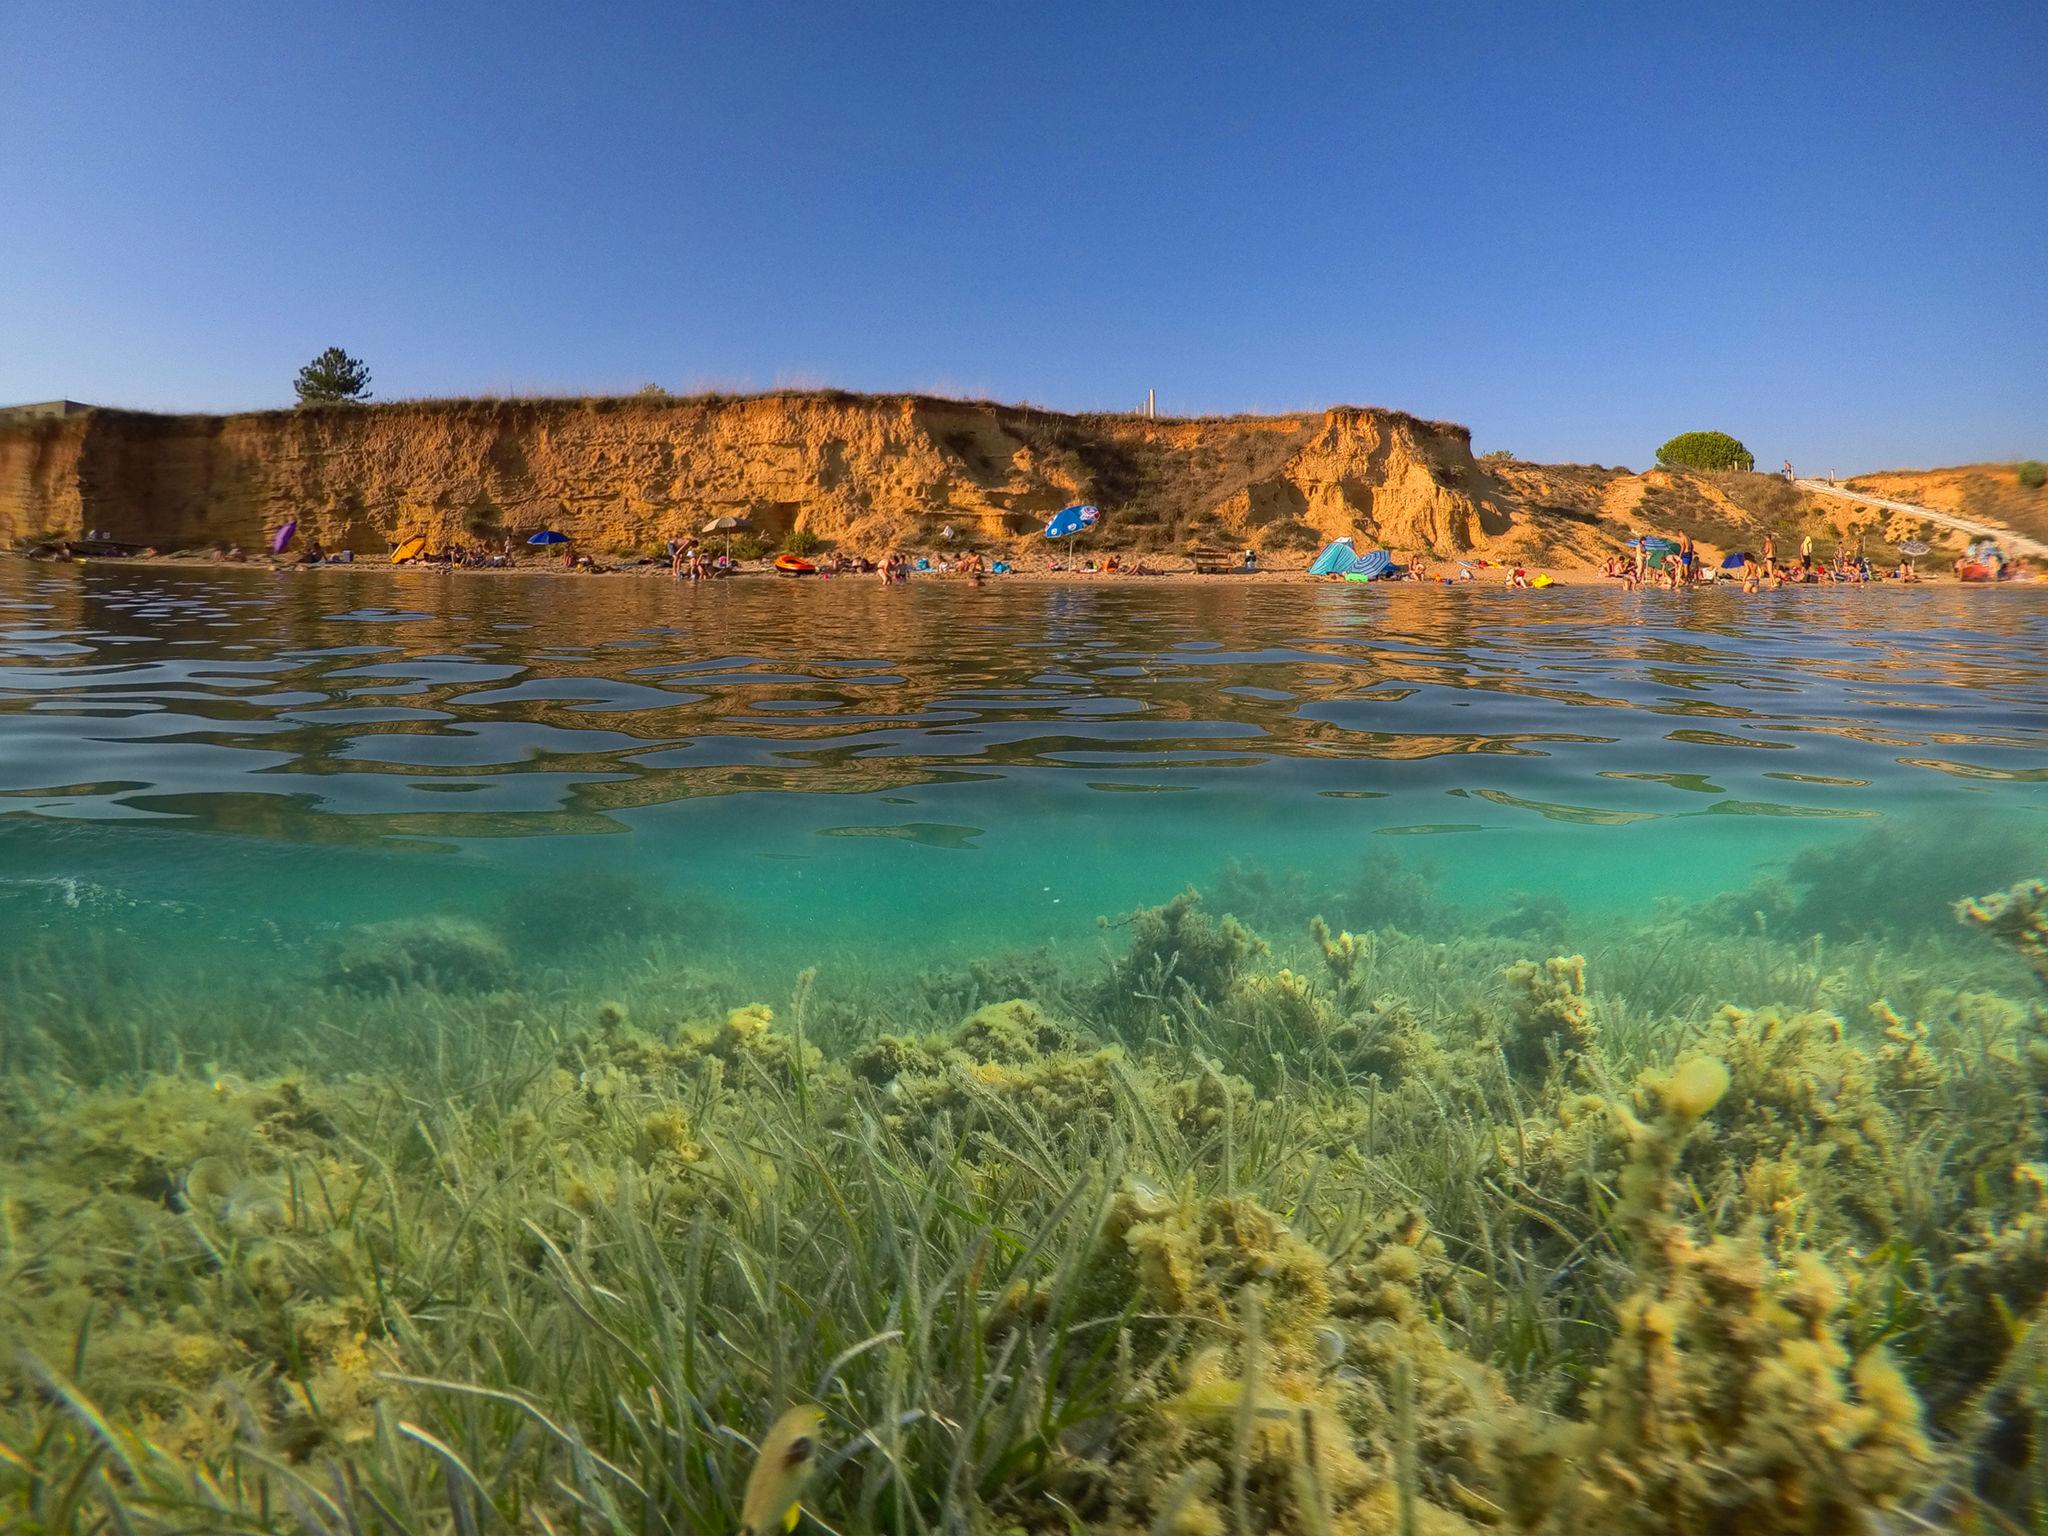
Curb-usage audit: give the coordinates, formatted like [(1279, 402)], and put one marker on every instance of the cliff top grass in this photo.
[(706, 399)]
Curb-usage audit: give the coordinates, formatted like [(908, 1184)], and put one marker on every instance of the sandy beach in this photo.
[(1485, 576)]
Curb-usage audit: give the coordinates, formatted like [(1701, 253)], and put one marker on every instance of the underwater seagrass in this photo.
[(1310, 1231)]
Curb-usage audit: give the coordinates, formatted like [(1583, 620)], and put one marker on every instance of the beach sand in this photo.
[(1180, 572)]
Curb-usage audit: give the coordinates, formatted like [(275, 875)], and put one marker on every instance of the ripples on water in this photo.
[(940, 761)]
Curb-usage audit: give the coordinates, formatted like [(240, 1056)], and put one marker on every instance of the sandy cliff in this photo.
[(865, 472), (1991, 493), (862, 472)]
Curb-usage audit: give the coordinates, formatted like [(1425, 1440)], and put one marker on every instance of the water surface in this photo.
[(846, 768)]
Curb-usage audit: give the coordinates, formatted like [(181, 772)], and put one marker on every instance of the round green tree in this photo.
[(333, 378), (1705, 450), (2034, 474)]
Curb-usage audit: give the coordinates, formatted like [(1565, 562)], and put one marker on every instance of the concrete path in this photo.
[(2012, 543)]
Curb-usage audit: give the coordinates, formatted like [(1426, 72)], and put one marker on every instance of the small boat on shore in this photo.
[(794, 565)]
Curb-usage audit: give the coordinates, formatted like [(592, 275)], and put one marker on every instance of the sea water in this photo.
[(840, 767), (1239, 1056)]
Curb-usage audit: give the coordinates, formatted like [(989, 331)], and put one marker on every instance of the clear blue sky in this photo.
[(1579, 228)]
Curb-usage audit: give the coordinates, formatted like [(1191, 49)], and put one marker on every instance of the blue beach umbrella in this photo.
[(1734, 562), (1072, 520), (549, 536), (1654, 545), (1372, 564)]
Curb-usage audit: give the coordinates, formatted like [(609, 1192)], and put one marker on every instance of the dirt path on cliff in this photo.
[(2016, 543)]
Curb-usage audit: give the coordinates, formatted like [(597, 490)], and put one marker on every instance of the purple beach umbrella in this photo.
[(284, 537)]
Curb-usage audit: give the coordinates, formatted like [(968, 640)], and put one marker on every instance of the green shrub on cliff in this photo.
[(333, 378), (2034, 474), (1706, 450)]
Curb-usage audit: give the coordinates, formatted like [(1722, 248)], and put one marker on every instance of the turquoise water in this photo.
[(847, 771), (474, 1052)]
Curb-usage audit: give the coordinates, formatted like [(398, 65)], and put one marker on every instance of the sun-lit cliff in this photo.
[(859, 472), (863, 471)]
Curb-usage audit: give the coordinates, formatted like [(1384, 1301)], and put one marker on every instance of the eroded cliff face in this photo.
[(865, 472)]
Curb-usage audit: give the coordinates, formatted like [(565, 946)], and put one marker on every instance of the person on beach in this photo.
[(1770, 552), (1805, 555)]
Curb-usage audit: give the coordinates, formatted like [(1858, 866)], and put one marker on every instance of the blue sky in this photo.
[(1578, 228)]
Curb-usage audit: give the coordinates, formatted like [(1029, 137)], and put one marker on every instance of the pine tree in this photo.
[(1706, 450), (333, 378)]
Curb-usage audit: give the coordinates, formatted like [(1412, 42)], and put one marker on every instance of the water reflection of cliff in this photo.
[(366, 703)]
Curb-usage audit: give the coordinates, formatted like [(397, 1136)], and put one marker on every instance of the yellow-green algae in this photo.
[(1357, 1232)]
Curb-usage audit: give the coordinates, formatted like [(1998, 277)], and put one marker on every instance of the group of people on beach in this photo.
[(472, 557), (688, 559), (1108, 565), (1681, 567), (1672, 564)]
